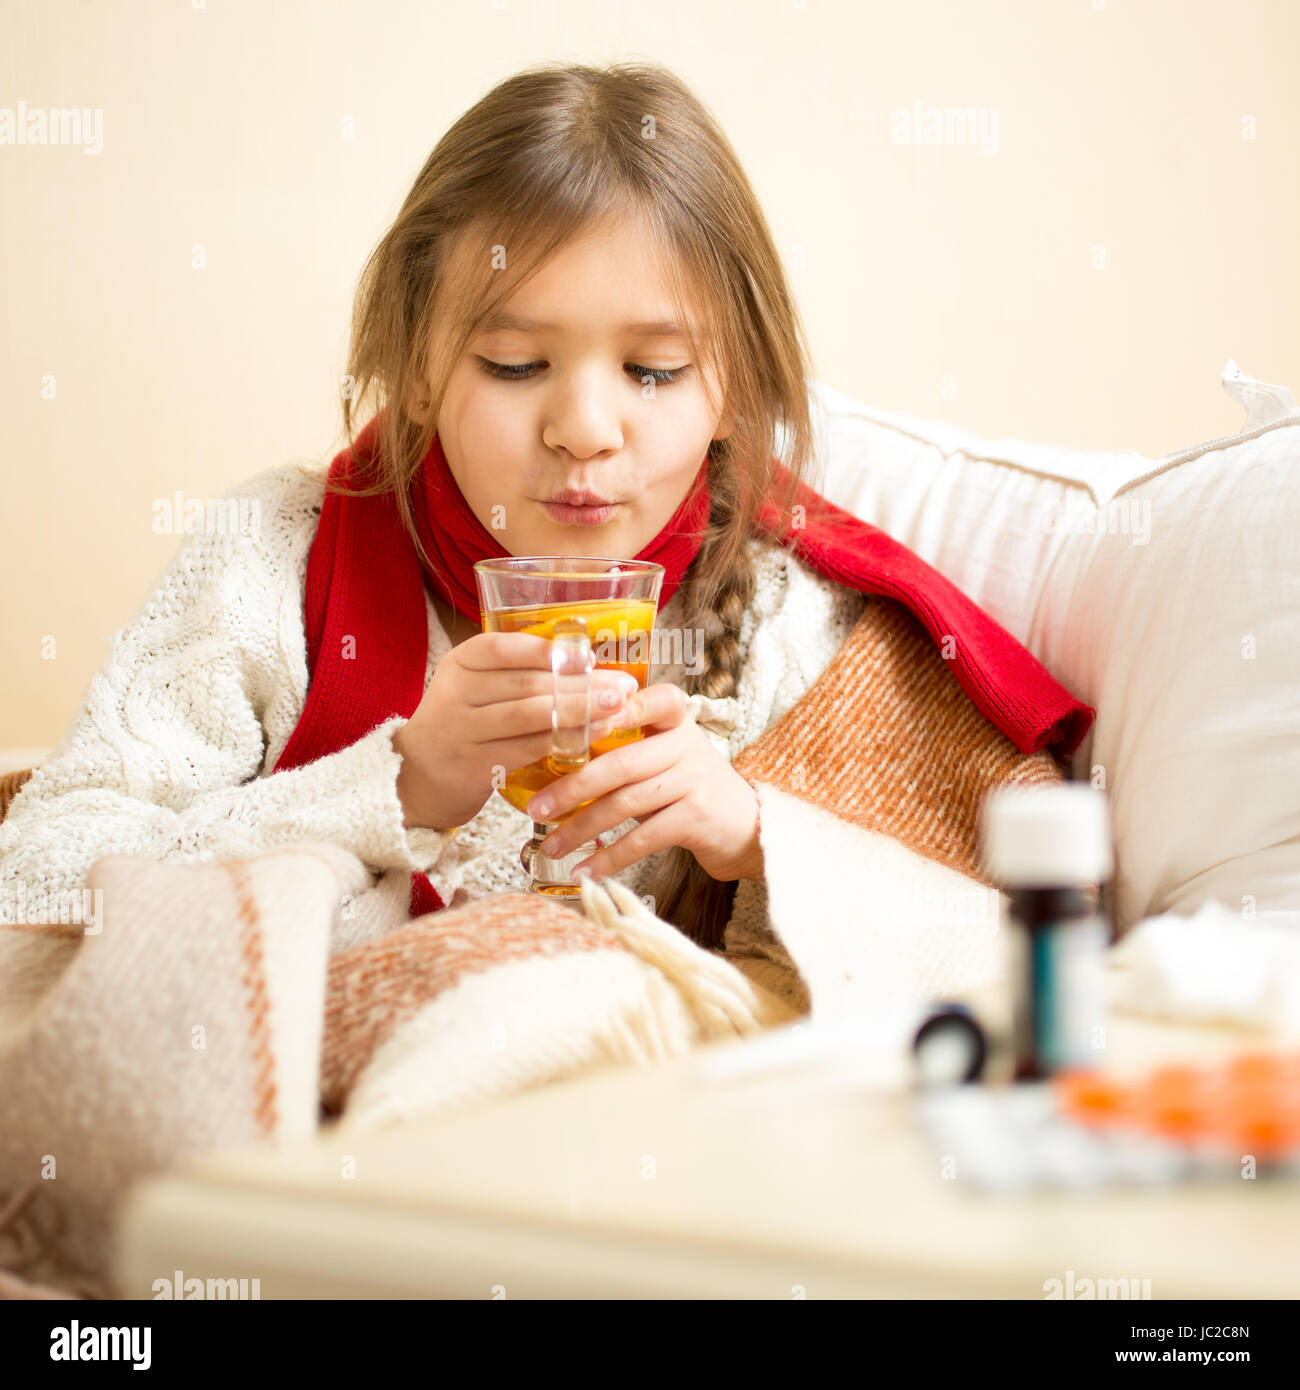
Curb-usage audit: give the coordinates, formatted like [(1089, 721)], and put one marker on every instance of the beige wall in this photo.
[(934, 279)]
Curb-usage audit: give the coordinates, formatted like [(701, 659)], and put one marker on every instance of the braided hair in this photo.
[(718, 589)]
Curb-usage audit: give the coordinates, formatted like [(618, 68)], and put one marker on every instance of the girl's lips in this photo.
[(569, 515)]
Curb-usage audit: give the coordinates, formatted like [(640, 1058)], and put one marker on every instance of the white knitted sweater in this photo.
[(170, 751)]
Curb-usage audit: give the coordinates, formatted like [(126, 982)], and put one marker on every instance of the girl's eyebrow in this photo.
[(654, 328)]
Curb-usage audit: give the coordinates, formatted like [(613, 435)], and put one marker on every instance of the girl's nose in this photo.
[(583, 421)]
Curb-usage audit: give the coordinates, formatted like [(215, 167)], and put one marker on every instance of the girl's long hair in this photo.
[(546, 154)]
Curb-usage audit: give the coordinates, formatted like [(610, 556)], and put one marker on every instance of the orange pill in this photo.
[(1177, 1102), (1093, 1098), (1255, 1119), (1260, 1069)]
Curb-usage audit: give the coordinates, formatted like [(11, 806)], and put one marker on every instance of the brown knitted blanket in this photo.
[(211, 1009)]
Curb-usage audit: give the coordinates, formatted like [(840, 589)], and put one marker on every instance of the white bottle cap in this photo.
[(1046, 836)]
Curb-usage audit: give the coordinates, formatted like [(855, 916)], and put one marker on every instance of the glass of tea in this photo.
[(596, 613)]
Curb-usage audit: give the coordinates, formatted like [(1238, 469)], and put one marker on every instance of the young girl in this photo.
[(577, 339)]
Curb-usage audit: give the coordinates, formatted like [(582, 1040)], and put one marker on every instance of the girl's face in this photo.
[(547, 427)]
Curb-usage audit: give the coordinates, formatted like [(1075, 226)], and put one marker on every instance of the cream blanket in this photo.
[(205, 1007)]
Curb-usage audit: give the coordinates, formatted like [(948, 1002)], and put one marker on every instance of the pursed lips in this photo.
[(579, 507)]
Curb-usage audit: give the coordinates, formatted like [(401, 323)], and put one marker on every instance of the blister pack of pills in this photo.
[(1092, 1129)]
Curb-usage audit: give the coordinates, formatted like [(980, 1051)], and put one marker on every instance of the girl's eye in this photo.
[(661, 376), (522, 371), (509, 372)]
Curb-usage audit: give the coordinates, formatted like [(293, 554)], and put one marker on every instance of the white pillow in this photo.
[(972, 508), (1138, 597), (1188, 646)]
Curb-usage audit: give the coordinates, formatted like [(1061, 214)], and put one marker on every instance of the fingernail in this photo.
[(549, 846), (611, 699), (540, 807)]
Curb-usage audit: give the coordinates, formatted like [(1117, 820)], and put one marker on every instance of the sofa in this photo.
[(1164, 592)]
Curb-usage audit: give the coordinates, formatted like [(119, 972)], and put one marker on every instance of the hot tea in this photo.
[(620, 632), (596, 612)]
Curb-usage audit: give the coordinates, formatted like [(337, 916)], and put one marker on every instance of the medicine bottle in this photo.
[(1048, 847)]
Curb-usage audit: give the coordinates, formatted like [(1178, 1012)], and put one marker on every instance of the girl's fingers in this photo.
[(488, 651), (519, 718), (628, 802), (511, 720), (660, 831), (661, 706), (514, 753), (634, 762), (504, 685)]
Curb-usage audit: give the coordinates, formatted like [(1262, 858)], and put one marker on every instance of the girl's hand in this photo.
[(673, 781), (486, 710)]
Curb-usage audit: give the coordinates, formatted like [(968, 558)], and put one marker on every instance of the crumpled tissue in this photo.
[(1211, 966)]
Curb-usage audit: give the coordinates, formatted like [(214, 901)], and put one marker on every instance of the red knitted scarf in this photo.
[(365, 581)]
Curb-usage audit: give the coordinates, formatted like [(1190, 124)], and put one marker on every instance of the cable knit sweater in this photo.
[(169, 753)]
